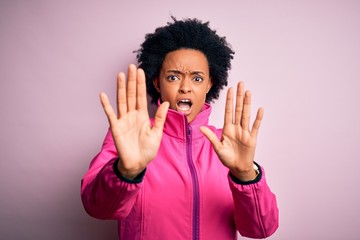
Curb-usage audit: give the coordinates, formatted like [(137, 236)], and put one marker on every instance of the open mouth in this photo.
[(184, 105)]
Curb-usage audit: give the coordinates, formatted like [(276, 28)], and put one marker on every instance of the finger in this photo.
[(121, 95), (245, 117), (212, 137), (141, 90), (228, 118), (239, 102), (160, 116), (257, 122), (131, 88), (109, 111)]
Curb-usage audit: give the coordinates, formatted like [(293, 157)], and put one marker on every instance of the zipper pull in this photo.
[(189, 131)]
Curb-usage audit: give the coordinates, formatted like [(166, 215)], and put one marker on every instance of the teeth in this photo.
[(184, 104)]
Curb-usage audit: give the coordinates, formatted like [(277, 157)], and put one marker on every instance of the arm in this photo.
[(256, 213), (104, 194), (110, 186)]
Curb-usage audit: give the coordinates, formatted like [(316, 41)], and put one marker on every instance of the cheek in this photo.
[(166, 95), (209, 87), (205, 91)]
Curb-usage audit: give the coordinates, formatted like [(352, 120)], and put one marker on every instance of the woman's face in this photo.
[(184, 81)]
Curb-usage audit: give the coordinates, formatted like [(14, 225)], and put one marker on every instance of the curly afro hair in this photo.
[(188, 34)]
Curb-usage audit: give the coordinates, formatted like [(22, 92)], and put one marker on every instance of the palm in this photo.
[(236, 150), (236, 144), (136, 140), (134, 132)]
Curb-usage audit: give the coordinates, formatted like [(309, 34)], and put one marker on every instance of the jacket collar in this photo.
[(176, 124)]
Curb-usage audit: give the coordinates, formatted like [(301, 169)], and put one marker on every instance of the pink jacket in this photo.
[(185, 192)]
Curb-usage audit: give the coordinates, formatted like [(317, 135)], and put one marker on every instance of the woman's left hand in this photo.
[(236, 150)]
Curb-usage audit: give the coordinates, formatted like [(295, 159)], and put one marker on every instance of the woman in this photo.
[(175, 176)]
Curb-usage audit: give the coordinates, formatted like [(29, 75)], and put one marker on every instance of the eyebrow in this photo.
[(181, 72)]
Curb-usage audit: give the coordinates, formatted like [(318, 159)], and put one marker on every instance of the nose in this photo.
[(185, 86)]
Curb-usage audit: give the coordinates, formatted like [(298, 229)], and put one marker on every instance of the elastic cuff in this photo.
[(256, 180), (137, 179)]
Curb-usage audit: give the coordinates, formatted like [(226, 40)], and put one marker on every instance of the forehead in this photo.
[(186, 60)]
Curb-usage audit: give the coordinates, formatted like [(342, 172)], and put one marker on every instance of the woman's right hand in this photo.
[(137, 141)]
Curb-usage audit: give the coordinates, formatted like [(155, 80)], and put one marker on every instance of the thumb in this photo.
[(211, 136), (160, 116)]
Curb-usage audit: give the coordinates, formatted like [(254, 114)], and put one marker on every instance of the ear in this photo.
[(157, 84), (210, 85)]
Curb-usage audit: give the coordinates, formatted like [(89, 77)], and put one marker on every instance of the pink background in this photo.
[(301, 59)]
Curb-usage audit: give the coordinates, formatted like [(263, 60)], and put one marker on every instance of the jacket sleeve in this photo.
[(105, 194), (256, 211)]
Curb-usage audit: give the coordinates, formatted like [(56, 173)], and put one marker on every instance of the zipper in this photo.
[(195, 182)]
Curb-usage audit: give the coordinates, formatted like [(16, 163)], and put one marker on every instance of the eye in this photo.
[(198, 79), (173, 78)]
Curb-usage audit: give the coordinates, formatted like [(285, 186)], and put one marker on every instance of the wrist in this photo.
[(256, 180), (128, 178), (129, 174), (247, 175)]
